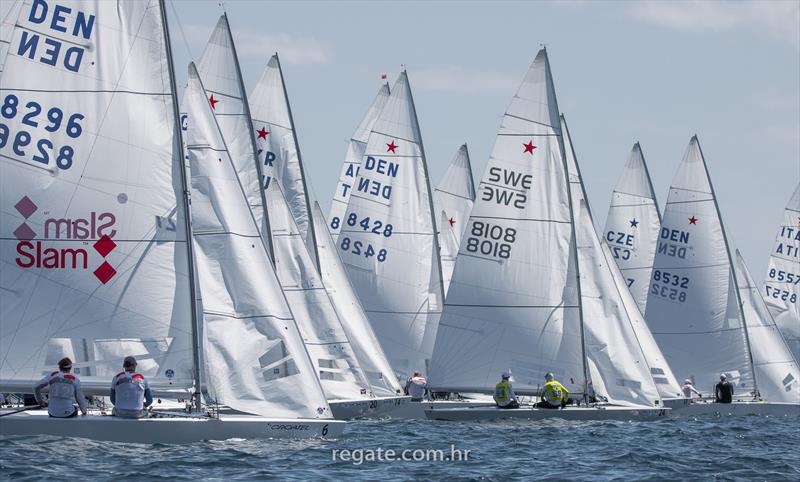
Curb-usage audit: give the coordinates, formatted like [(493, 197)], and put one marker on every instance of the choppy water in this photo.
[(730, 448)]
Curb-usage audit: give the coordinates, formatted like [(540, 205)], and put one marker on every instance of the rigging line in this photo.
[(180, 28)]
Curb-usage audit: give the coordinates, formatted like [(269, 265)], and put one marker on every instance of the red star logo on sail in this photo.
[(391, 147), (693, 220), (262, 133), (451, 221), (213, 102), (529, 147)]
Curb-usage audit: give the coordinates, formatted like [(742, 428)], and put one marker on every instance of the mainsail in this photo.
[(255, 358), (9, 12), (356, 324), (94, 240), (692, 307), (782, 285), (278, 150), (388, 236), (513, 302), (625, 363), (776, 370), (352, 160), (452, 201), (633, 224)]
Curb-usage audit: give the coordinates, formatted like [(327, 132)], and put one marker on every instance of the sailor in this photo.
[(64, 389), (504, 395), (416, 386), (688, 389), (130, 392), (555, 395), (724, 390)]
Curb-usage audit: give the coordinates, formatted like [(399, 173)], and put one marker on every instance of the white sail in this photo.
[(388, 236), (325, 338), (255, 358), (782, 285), (355, 151), (692, 306), (94, 245), (356, 324), (776, 370), (278, 149), (219, 69), (614, 329), (9, 12), (452, 201), (513, 300), (633, 225)]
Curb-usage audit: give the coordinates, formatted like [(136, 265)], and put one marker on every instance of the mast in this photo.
[(574, 244), (469, 169), (267, 226), (437, 252), (649, 182), (312, 236), (187, 217), (733, 270)]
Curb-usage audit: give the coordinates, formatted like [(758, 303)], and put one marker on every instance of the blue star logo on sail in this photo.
[(634, 223)]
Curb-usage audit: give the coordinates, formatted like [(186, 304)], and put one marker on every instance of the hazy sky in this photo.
[(656, 72)]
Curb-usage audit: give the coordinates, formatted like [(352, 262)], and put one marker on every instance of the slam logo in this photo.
[(34, 253)]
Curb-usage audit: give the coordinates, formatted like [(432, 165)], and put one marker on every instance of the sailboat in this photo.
[(332, 355), (701, 310), (352, 160), (782, 285), (98, 251), (533, 291), (452, 201), (633, 224)]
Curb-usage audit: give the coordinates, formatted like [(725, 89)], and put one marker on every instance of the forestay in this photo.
[(254, 355), (94, 246), (222, 79), (277, 147), (633, 225), (388, 236), (352, 160), (513, 300), (782, 285), (356, 325), (452, 201), (613, 327), (692, 306), (776, 370)]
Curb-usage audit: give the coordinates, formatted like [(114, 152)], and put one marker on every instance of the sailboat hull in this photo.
[(530, 413), (169, 430), (377, 407), (737, 408)]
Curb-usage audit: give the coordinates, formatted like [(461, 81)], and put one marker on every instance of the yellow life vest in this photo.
[(501, 392), (555, 392)]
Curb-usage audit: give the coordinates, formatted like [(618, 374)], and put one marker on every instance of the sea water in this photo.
[(698, 448)]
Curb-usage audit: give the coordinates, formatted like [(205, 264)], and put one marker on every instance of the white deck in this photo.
[(170, 430), (530, 413), (378, 407)]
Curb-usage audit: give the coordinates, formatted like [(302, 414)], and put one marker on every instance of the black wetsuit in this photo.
[(724, 392)]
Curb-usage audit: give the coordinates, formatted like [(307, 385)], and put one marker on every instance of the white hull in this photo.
[(695, 407), (170, 430), (530, 413), (416, 410), (377, 407)]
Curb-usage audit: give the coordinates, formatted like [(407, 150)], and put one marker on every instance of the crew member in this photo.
[(555, 395), (688, 389), (64, 389), (130, 392), (724, 390), (416, 386), (504, 395)]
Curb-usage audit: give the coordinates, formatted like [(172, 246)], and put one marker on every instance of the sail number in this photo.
[(491, 240), (781, 275), (359, 248), (669, 286), (779, 294), (374, 226), (30, 145)]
